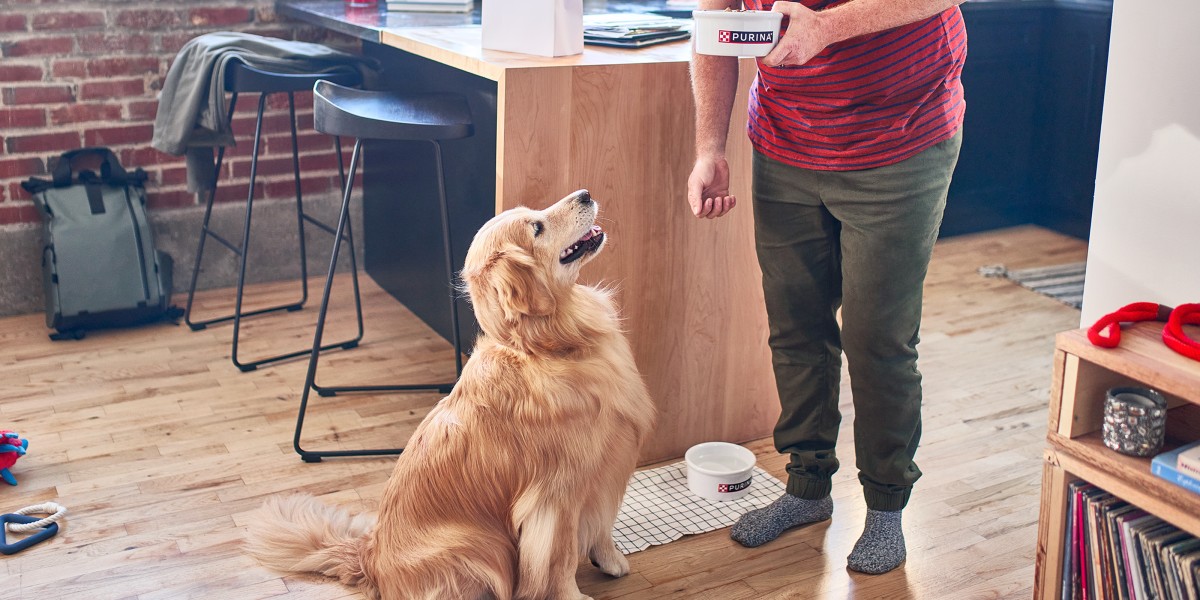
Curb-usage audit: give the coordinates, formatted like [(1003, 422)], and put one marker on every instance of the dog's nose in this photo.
[(584, 197)]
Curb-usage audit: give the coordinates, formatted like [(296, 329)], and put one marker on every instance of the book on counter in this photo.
[(628, 30), (1166, 466), (448, 6)]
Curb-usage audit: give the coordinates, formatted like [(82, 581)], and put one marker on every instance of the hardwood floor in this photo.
[(161, 450)]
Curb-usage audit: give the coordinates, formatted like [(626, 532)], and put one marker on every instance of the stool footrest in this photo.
[(315, 457), (198, 325), (327, 391), (224, 242), (250, 366), (320, 225)]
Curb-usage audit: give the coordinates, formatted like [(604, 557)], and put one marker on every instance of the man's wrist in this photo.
[(709, 153)]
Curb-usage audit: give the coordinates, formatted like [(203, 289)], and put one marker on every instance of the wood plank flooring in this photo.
[(161, 448)]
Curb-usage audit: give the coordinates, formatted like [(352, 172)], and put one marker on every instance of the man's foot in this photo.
[(758, 527), (881, 547)]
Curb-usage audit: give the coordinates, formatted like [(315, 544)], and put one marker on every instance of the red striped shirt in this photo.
[(866, 102)]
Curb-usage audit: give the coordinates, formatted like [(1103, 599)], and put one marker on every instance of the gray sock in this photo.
[(881, 547), (758, 527)]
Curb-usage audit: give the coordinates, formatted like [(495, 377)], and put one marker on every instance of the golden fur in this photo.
[(518, 471)]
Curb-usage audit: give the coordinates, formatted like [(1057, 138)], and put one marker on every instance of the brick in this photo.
[(122, 66), (145, 18), (145, 157), (113, 88), (21, 73), (170, 199), (309, 141), (11, 23), (118, 136), (38, 46), (37, 94), (83, 113), (22, 118), (210, 16), (326, 161), (143, 110), (243, 127), (11, 168), (170, 43), (279, 102), (266, 167), (282, 33), (286, 188), (265, 13), (105, 43), (235, 191), (42, 142), (173, 176), (67, 20), (12, 214), (68, 68)]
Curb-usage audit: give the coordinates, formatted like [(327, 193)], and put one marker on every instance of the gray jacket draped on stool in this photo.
[(192, 117)]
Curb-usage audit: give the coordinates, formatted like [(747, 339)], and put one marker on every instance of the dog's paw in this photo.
[(610, 561)]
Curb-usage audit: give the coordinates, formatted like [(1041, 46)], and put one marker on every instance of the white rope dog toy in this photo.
[(55, 510)]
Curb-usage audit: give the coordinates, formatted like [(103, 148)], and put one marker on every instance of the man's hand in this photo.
[(805, 36), (708, 188)]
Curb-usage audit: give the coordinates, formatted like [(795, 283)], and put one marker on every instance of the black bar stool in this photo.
[(241, 78), (343, 111)]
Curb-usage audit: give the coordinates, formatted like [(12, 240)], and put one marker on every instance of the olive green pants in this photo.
[(859, 241)]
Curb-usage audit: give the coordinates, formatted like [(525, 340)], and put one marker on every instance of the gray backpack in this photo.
[(99, 265)]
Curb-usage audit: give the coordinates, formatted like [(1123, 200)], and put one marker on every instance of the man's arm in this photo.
[(810, 31), (714, 85)]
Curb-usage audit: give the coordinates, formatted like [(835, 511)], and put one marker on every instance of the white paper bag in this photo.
[(541, 27)]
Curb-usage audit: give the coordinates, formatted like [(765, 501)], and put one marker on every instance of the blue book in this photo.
[(1163, 466)]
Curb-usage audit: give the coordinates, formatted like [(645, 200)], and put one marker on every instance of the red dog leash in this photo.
[(1173, 335), (1106, 332)]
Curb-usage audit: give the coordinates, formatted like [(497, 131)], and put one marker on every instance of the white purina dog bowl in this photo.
[(719, 470), (736, 32)]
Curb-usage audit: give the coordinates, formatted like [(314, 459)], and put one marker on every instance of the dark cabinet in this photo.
[(1069, 113), (1034, 86)]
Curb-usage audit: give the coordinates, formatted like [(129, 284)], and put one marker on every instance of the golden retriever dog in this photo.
[(522, 468)]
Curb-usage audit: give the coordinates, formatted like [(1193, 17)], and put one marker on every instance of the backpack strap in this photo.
[(111, 170)]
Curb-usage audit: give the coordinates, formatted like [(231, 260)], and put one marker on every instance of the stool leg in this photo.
[(204, 232), (358, 311), (449, 256), (299, 203), (315, 355), (245, 253)]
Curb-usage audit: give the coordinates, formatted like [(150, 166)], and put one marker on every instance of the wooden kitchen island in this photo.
[(619, 123)]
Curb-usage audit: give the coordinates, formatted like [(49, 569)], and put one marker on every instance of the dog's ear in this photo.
[(513, 281)]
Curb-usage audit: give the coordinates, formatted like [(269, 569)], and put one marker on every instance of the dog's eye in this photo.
[(537, 228)]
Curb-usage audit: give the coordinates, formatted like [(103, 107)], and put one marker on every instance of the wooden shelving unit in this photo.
[(1082, 375)]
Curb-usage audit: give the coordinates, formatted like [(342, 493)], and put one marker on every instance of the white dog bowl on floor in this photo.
[(736, 32), (719, 470)]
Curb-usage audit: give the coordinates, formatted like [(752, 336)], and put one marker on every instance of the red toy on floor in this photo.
[(12, 447)]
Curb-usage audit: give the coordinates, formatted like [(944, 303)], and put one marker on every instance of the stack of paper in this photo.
[(450, 6), (633, 30)]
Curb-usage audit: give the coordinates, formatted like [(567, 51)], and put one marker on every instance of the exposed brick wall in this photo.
[(83, 73)]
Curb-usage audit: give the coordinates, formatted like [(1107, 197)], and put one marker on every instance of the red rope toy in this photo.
[(1106, 332)]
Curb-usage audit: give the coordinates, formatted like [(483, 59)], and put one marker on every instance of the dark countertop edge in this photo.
[(1102, 6), (295, 10), (363, 32)]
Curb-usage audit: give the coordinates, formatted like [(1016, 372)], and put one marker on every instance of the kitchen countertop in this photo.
[(368, 23)]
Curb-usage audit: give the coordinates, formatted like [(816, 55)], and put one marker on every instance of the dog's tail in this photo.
[(299, 534)]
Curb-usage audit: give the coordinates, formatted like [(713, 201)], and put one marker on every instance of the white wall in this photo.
[(1145, 241)]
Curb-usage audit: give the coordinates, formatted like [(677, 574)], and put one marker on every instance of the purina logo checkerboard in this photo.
[(726, 36), (726, 488)]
